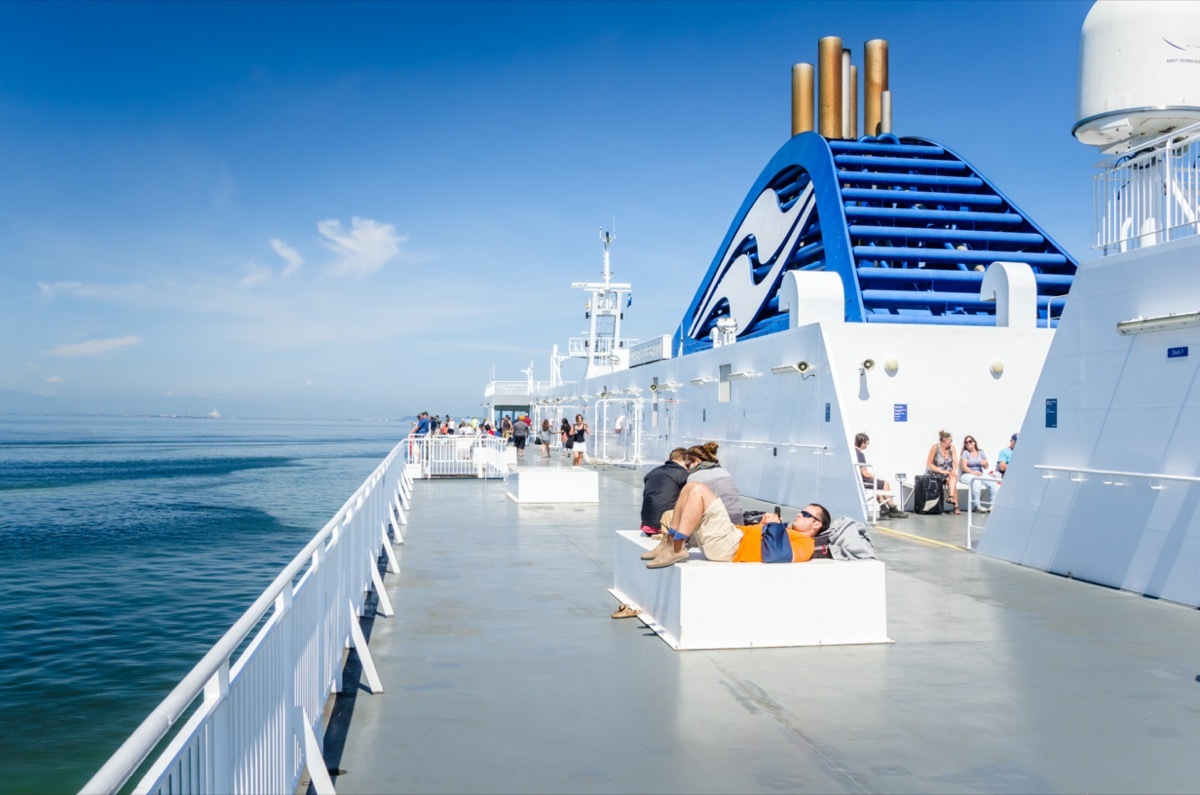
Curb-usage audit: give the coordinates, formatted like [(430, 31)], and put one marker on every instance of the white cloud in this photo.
[(365, 248), (93, 347), (289, 255), (102, 292), (55, 379), (51, 288), (256, 274)]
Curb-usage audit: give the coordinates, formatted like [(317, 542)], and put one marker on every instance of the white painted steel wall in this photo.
[(256, 725), (1130, 414), (773, 433)]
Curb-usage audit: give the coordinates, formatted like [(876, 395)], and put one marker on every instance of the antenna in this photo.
[(607, 239)]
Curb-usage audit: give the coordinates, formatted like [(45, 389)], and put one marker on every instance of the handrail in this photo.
[(1148, 197), (125, 761), (1117, 473), (991, 480), (815, 447)]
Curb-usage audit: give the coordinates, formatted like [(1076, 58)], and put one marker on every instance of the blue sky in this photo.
[(360, 210)]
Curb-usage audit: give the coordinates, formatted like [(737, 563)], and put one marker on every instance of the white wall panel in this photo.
[(1123, 406)]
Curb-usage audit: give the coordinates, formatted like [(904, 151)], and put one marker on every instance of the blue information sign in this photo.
[(827, 410), (1051, 412), (1177, 353), (900, 412)]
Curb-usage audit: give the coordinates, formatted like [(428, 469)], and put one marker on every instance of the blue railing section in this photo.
[(908, 224)]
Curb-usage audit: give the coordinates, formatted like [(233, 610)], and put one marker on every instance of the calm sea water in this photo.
[(127, 547)]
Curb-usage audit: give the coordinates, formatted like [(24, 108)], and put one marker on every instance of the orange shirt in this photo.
[(750, 550)]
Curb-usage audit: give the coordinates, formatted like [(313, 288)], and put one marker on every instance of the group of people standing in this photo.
[(573, 436)]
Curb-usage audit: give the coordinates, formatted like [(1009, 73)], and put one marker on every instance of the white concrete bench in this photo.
[(705, 605), (554, 484)]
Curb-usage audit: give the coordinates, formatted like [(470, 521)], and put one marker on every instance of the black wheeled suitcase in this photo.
[(930, 495)]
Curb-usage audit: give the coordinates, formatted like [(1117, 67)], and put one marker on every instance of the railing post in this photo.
[(220, 769)]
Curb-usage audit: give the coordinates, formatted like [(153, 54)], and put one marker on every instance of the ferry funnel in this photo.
[(875, 82), (802, 98), (829, 100)]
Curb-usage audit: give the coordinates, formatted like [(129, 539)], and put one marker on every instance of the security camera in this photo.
[(654, 387), (868, 364), (604, 394), (803, 366)]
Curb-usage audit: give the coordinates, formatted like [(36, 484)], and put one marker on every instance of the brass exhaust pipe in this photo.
[(875, 82), (829, 64), (846, 67), (802, 98), (853, 103)]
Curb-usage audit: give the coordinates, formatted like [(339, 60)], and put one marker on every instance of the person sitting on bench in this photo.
[(701, 516), (886, 505), (661, 490)]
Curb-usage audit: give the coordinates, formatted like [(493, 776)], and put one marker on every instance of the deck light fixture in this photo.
[(1140, 325), (799, 367)]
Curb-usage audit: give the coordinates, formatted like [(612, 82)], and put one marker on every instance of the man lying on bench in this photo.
[(700, 515)]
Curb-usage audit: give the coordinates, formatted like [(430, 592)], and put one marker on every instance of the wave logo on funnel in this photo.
[(765, 238)]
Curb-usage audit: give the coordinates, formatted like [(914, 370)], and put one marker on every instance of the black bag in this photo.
[(930, 494)]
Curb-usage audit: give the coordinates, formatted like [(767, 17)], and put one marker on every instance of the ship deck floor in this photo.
[(504, 673)]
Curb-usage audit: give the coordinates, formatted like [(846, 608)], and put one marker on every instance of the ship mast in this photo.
[(603, 348)]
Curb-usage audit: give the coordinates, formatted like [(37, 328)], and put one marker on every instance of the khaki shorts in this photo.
[(717, 537)]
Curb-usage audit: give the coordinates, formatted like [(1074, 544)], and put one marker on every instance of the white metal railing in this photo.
[(257, 718), (1116, 477), (580, 346), (617, 430), (1151, 196), (512, 388), (993, 485), (457, 455), (745, 444)]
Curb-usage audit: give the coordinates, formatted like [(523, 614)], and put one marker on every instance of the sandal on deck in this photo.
[(625, 611)]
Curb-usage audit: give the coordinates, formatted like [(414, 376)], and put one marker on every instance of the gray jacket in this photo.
[(721, 482), (849, 540)]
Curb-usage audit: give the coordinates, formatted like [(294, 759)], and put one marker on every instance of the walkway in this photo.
[(504, 673)]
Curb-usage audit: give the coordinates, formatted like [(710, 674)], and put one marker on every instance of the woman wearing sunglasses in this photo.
[(972, 464)]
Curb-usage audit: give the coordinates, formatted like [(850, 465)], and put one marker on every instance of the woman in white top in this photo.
[(972, 466)]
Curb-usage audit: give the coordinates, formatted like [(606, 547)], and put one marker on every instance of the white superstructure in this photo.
[(1105, 483)]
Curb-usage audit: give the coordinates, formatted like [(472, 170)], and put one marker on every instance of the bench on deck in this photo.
[(701, 604), (554, 484)]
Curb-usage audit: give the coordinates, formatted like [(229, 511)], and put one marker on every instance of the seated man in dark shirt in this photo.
[(661, 490), (887, 506)]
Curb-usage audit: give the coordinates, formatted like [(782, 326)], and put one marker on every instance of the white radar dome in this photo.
[(1139, 72)]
